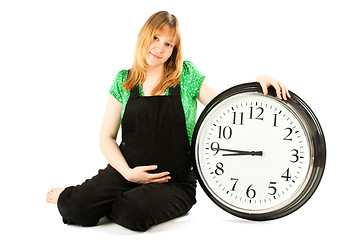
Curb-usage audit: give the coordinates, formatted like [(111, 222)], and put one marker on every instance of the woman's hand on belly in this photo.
[(140, 175)]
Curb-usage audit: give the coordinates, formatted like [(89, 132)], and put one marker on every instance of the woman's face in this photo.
[(161, 48)]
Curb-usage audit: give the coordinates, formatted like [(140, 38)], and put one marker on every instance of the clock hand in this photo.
[(253, 153), (242, 153)]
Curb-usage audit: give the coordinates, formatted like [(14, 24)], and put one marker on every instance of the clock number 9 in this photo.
[(215, 147)]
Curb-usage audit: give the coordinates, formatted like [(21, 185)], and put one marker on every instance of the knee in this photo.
[(131, 215), (74, 211), (75, 214)]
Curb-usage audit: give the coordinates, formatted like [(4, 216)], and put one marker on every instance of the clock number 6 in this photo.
[(250, 193)]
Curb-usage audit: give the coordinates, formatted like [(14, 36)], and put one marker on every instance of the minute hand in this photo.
[(239, 152)]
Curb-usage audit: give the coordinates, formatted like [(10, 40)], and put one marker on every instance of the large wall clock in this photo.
[(258, 157)]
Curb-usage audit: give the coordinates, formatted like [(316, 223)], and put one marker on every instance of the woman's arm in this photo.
[(206, 93), (109, 130), (108, 133)]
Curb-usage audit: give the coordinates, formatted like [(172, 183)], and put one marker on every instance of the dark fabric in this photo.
[(153, 132), (85, 204), (150, 204), (134, 206)]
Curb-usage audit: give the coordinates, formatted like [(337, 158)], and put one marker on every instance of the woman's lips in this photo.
[(154, 55)]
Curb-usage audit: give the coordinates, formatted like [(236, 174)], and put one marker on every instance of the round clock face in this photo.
[(254, 154)]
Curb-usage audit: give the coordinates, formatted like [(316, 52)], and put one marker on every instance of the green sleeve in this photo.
[(116, 88), (192, 79)]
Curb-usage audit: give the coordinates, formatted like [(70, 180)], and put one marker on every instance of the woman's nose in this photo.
[(159, 46)]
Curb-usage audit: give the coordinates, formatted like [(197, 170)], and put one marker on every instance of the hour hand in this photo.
[(241, 153)]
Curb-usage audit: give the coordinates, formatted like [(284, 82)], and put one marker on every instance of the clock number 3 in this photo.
[(295, 155)]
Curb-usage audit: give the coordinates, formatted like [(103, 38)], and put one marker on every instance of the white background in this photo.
[(59, 58)]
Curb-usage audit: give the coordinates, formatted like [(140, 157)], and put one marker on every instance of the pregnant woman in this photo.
[(149, 178)]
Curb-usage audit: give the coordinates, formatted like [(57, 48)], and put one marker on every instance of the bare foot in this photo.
[(53, 195)]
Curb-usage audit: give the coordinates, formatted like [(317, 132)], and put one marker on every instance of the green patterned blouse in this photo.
[(190, 83)]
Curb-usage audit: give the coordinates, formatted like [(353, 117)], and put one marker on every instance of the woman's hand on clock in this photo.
[(267, 81), (140, 175)]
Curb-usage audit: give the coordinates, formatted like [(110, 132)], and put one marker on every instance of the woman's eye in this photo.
[(169, 44), (156, 38)]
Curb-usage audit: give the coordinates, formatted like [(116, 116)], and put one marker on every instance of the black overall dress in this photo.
[(153, 133)]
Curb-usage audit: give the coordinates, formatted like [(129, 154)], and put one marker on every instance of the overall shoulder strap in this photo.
[(175, 90), (134, 92)]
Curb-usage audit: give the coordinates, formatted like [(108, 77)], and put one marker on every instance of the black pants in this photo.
[(134, 206)]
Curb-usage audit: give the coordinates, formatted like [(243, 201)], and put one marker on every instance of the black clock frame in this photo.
[(317, 140)]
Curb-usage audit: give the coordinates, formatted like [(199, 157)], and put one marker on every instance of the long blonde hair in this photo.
[(172, 67)]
